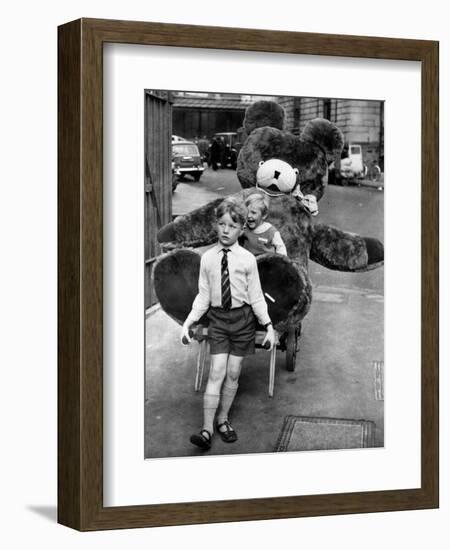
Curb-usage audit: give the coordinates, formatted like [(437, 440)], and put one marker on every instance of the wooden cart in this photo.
[(287, 341)]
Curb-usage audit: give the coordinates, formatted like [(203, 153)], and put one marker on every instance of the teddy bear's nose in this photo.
[(276, 174)]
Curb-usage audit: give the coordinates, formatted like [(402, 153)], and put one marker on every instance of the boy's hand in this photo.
[(269, 338), (186, 334)]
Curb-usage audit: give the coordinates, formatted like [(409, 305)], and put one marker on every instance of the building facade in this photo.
[(202, 114), (197, 114), (361, 121)]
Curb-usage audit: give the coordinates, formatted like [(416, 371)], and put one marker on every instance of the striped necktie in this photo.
[(226, 291)]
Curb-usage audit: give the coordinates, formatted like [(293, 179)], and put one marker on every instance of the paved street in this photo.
[(190, 194), (341, 345)]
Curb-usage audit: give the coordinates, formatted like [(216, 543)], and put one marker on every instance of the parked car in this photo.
[(186, 160), (351, 166), (177, 138), (228, 150)]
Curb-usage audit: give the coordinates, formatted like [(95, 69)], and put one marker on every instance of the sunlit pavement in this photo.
[(190, 194)]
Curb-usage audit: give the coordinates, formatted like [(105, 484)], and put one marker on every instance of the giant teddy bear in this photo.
[(285, 280)]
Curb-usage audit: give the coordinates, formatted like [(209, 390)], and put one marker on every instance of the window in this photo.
[(185, 149)]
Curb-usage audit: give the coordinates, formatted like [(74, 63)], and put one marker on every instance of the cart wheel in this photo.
[(291, 349)]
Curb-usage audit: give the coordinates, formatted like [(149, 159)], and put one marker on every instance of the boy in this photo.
[(260, 236), (230, 289)]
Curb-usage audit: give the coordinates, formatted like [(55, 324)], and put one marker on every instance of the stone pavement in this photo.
[(335, 376)]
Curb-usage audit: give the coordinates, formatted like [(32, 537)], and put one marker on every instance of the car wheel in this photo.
[(197, 176)]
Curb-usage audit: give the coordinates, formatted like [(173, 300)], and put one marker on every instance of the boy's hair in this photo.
[(255, 199), (235, 208)]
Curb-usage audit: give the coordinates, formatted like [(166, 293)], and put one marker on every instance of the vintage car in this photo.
[(186, 160), (229, 149), (351, 166)]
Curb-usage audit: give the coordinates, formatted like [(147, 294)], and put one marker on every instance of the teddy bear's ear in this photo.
[(263, 113), (325, 134), (261, 162)]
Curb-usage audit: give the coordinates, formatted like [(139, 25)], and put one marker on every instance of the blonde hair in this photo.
[(260, 201)]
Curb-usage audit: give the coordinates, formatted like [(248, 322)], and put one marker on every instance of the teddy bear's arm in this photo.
[(341, 251), (197, 228)]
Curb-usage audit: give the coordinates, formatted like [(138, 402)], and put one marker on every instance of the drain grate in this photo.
[(378, 376)]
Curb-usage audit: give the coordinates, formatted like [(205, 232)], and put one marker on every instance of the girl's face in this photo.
[(228, 231), (254, 217)]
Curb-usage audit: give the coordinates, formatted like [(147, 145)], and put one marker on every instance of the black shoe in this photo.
[(202, 440), (228, 435)]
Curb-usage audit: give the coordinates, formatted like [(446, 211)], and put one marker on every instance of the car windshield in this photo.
[(186, 149)]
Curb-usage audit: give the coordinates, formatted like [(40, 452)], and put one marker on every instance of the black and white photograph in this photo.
[(226, 227), (264, 277)]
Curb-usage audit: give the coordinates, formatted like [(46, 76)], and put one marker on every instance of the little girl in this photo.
[(260, 236)]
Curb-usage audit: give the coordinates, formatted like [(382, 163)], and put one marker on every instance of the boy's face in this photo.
[(254, 217), (228, 231)]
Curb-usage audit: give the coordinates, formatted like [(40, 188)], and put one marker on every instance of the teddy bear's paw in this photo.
[(167, 233), (343, 251), (175, 278), (194, 229), (375, 253), (375, 250), (285, 286)]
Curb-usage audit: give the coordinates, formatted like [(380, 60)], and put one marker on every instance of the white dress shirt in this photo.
[(244, 283)]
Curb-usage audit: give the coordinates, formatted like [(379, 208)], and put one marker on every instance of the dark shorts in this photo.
[(232, 331)]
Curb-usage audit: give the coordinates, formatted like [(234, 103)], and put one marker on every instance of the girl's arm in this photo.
[(278, 243)]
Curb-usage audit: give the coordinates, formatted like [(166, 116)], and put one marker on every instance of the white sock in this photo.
[(229, 390)]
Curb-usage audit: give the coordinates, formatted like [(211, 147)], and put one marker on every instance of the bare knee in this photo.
[(234, 369), (217, 372)]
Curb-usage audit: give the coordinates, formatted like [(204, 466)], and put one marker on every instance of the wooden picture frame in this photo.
[(80, 272)]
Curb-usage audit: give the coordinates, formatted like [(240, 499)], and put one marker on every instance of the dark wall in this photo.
[(189, 123)]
